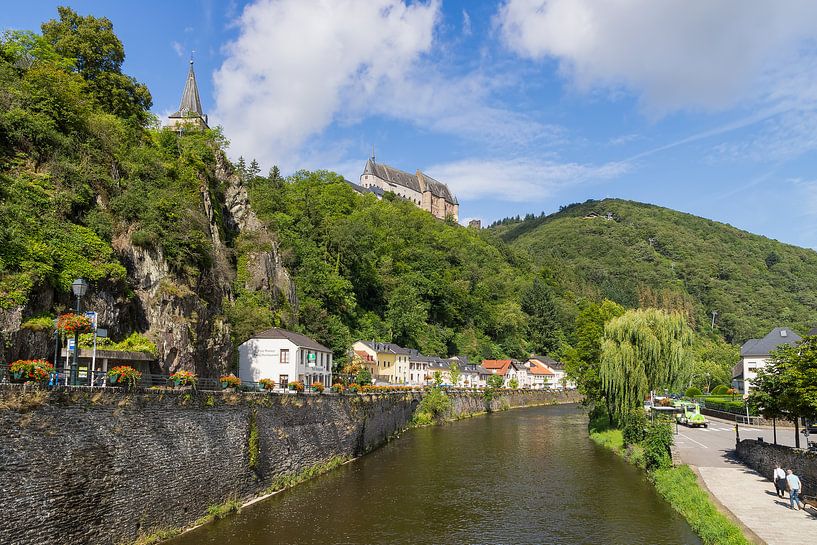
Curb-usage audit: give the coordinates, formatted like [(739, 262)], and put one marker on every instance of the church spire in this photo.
[(190, 105)]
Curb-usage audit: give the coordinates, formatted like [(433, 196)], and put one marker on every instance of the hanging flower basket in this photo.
[(183, 378), (317, 387), (31, 370), (229, 381), (74, 323), (353, 388), (337, 388), (124, 375), (267, 383)]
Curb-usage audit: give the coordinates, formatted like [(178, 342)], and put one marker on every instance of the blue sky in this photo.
[(520, 105)]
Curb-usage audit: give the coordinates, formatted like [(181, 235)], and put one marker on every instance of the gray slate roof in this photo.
[(376, 191), (387, 347), (411, 181), (298, 339), (763, 347), (190, 104)]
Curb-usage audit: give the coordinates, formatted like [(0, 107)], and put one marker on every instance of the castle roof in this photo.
[(190, 105), (419, 182), (392, 175)]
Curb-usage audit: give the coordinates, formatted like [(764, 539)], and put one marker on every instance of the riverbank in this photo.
[(109, 467), (679, 486)]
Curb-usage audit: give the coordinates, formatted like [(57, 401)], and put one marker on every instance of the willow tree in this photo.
[(643, 350)]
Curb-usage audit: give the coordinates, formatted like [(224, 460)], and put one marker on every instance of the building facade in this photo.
[(284, 356), (754, 355), (421, 189)]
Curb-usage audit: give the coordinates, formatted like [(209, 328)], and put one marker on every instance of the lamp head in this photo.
[(79, 287)]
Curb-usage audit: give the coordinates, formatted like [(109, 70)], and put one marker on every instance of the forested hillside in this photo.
[(194, 254), (645, 255)]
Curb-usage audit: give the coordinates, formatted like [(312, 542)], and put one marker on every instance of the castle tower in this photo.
[(190, 106)]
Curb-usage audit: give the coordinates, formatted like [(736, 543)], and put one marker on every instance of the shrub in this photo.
[(183, 378), (31, 370), (364, 377), (267, 383), (38, 323), (720, 390), (317, 387), (634, 427), (657, 443), (692, 392), (513, 383), (124, 375), (434, 405), (229, 381)]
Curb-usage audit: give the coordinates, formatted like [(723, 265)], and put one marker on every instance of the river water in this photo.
[(525, 476)]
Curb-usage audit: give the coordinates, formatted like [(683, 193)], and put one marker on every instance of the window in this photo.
[(283, 381), (284, 356)]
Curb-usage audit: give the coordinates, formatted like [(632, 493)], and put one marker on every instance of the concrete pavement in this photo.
[(749, 496)]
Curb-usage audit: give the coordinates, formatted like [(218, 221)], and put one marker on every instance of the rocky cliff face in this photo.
[(183, 316)]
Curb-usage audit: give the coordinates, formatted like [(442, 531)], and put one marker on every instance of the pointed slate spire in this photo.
[(190, 105)]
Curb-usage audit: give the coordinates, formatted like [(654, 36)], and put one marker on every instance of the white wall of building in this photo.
[(261, 358)]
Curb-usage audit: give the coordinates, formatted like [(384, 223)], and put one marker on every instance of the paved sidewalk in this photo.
[(745, 493), (752, 499)]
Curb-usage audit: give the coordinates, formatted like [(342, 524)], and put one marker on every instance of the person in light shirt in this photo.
[(779, 481), (794, 489)]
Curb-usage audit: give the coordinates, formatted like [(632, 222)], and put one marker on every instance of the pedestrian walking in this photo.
[(779, 481), (794, 489)]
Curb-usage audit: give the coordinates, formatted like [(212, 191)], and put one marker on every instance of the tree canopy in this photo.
[(642, 350)]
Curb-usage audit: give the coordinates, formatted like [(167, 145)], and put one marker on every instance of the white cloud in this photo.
[(674, 54), (466, 23), (518, 180), (178, 48), (295, 64)]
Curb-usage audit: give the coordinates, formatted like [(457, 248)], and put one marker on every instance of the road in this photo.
[(714, 446), (749, 496)]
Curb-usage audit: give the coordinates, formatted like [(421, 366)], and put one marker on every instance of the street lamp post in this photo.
[(80, 288)]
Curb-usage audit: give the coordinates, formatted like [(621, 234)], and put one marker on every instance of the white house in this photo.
[(559, 379), (754, 354), (284, 356)]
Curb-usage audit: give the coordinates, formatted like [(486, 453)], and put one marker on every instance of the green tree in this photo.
[(363, 377), (513, 383), (455, 373), (98, 55), (544, 331), (642, 350), (495, 381), (583, 360)]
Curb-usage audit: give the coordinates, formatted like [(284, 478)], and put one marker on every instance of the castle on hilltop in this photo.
[(420, 188), (189, 112)]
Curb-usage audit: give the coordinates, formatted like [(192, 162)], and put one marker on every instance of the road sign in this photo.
[(91, 315), (311, 356), (70, 344), (100, 332)]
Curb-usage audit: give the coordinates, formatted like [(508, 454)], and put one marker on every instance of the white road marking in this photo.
[(693, 440)]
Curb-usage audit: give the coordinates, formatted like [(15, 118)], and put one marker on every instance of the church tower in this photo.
[(190, 107)]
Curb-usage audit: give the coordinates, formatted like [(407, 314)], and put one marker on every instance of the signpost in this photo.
[(91, 315)]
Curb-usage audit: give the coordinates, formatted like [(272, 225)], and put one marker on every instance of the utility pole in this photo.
[(714, 313)]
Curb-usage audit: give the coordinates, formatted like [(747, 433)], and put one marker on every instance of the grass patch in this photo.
[(679, 486), (157, 536), (220, 511), (289, 480)]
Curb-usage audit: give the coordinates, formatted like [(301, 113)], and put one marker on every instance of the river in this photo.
[(525, 476)]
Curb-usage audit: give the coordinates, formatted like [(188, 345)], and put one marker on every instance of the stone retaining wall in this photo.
[(762, 457), (82, 465)]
